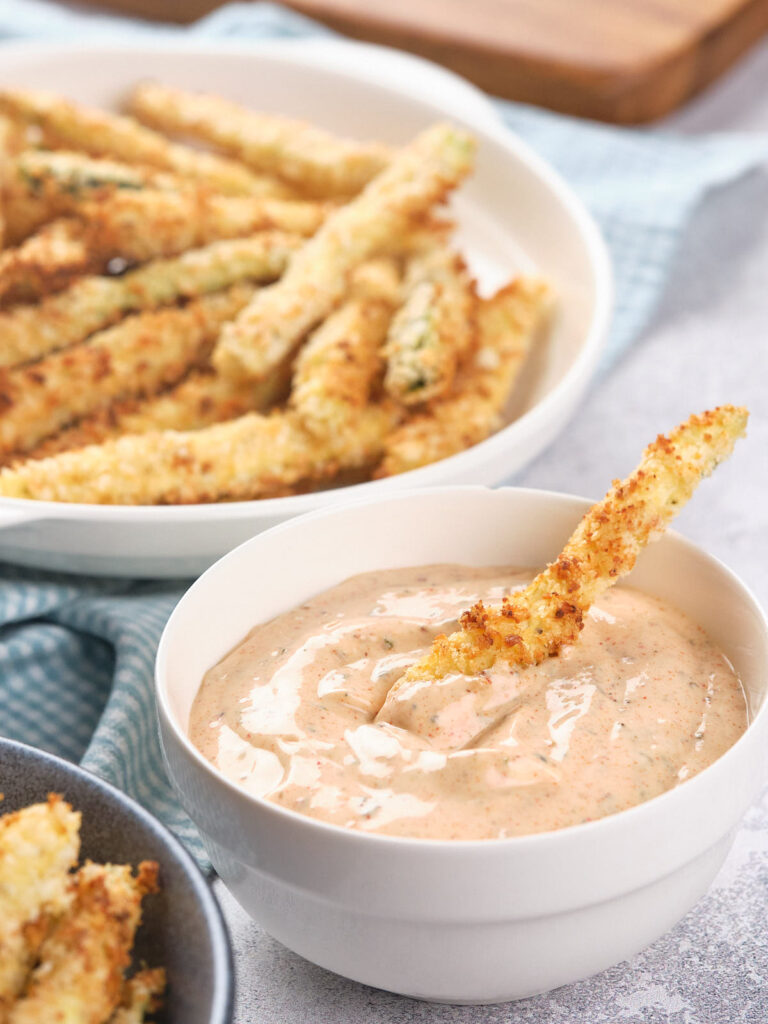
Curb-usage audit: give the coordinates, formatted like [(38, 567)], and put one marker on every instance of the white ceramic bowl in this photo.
[(515, 213), (480, 921)]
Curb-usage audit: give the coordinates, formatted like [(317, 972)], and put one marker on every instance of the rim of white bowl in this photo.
[(611, 821), (578, 373)]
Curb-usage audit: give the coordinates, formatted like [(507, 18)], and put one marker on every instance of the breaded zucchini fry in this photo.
[(141, 995), (200, 400), (38, 846), (138, 356), (45, 262), (138, 226), (315, 161), (80, 976), (77, 176), (28, 332), (109, 135), (507, 324), (337, 367), (433, 329), (148, 224), (244, 458), (536, 622), (418, 177), (43, 184)]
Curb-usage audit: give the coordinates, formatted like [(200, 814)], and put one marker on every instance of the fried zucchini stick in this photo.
[(141, 995), (41, 185), (315, 161), (38, 846), (337, 367), (142, 226), (77, 175), (45, 262), (241, 459), (433, 330), (200, 400), (507, 324), (49, 184), (109, 135), (536, 622), (88, 305), (418, 177), (139, 226), (80, 976), (138, 356), (44, 184)]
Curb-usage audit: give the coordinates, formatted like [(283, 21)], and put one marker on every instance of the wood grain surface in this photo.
[(617, 60)]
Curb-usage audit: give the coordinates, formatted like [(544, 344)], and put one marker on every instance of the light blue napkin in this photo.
[(77, 654)]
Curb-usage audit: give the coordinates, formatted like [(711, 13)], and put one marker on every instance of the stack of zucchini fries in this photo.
[(67, 932), (203, 303)]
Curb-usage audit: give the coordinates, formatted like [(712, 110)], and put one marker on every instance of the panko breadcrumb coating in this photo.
[(139, 226), (141, 994), (339, 364), (317, 162), (534, 623), (316, 280), (92, 303), (201, 399), (434, 328), (38, 846), (45, 262), (149, 224), (138, 356), (243, 458), (79, 979), (102, 134), (507, 324), (43, 184), (338, 370)]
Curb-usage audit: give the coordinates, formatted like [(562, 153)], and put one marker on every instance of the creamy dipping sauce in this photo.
[(641, 703)]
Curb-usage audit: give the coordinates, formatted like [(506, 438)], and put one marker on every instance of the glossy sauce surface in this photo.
[(641, 703)]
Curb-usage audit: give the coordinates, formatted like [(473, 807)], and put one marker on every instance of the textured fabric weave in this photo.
[(77, 654)]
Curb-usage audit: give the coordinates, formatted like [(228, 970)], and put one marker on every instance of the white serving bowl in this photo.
[(480, 921), (514, 214)]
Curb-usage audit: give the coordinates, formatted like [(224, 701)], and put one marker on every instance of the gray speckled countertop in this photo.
[(708, 344)]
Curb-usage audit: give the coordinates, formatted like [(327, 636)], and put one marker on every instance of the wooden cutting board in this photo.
[(617, 60)]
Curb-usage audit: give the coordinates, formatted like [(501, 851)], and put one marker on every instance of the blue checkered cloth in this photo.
[(76, 653)]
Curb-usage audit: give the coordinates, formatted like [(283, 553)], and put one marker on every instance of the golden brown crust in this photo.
[(506, 326), (338, 367), (141, 994), (93, 303), (201, 399), (66, 939), (433, 330), (38, 847), (139, 356), (317, 278), (310, 158), (102, 134), (244, 458), (82, 960), (45, 262), (105, 194), (536, 622)]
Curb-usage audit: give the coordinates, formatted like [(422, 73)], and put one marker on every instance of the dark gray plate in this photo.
[(182, 929)]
